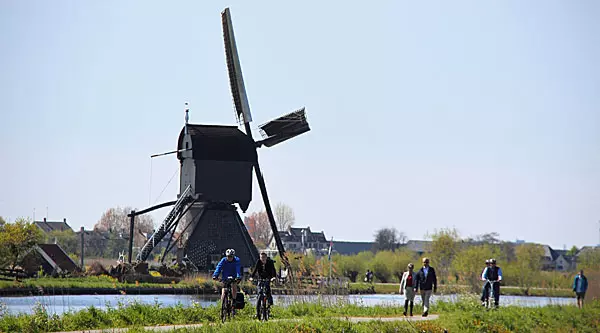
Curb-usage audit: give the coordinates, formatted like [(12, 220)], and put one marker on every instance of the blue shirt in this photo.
[(229, 268)]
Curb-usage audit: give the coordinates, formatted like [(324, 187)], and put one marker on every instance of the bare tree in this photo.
[(402, 238), (386, 239), (284, 216), (259, 228), (116, 222)]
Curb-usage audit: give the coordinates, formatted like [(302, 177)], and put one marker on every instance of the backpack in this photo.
[(240, 302)]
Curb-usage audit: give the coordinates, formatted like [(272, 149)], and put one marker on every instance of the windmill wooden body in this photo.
[(216, 174)]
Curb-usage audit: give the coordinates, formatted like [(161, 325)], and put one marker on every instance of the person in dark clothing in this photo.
[(494, 274), (580, 285), (426, 281), (369, 276), (265, 269), (485, 292)]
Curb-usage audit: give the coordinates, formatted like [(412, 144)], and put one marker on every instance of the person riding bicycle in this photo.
[(230, 267), (494, 274), (485, 292), (265, 269)]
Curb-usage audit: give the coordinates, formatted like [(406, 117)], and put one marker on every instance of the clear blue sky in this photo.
[(484, 116)]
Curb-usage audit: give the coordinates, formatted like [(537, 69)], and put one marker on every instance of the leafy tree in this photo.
[(67, 240), (469, 262), (387, 239), (354, 266), (259, 228), (589, 259), (347, 266), (17, 239), (572, 251), (528, 263), (2, 222), (444, 247), (284, 216), (116, 222)]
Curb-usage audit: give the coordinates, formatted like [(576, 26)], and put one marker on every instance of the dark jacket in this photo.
[(265, 271), (584, 283), (426, 283)]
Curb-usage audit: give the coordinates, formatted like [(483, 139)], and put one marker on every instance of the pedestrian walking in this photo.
[(427, 283), (580, 284), (407, 287)]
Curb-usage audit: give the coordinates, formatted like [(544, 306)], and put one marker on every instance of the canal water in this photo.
[(61, 304)]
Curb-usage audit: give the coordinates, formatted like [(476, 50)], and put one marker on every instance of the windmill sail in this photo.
[(284, 128), (236, 81)]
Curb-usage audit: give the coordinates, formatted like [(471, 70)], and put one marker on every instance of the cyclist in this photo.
[(265, 269), (485, 292), (229, 266), (494, 274)]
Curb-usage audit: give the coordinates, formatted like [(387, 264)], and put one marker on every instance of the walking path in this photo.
[(167, 328)]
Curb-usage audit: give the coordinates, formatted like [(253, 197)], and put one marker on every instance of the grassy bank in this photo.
[(104, 285), (313, 325), (464, 316), (83, 282), (468, 316)]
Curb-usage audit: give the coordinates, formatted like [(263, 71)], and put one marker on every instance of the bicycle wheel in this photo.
[(265, 309), (223, 309)]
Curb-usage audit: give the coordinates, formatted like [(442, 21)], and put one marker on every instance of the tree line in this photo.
[(457, 261)]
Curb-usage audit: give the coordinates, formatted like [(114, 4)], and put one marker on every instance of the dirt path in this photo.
[(167, 328)]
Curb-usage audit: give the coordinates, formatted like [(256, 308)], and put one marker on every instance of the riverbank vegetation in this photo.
[(463, 316), (458, 261)]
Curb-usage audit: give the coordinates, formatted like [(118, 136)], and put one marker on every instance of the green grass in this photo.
[(463, 316), (468, 316), (102, 281), (81, 282), (313, 325)]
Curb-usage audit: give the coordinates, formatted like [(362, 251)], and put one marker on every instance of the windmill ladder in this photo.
[(169, 222)]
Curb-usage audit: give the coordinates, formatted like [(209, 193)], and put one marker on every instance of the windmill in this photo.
[(275, 131), (216, 173)]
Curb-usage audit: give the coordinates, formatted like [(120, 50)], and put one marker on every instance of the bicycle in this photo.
[(227, 301), (262, 302), (490, 302)]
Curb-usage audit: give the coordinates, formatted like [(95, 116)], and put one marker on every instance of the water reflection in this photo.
[(61, 304)]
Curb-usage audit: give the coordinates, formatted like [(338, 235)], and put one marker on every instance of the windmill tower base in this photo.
[(213, 228)]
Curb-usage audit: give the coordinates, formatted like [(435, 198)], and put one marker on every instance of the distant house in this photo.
[(301, 240), (49, 226), (95, 242), (554, 259), (562, 261), (50, 258), (351, 248)]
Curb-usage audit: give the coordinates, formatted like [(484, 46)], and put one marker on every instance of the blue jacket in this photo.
[(584, 283), (233, 268)]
